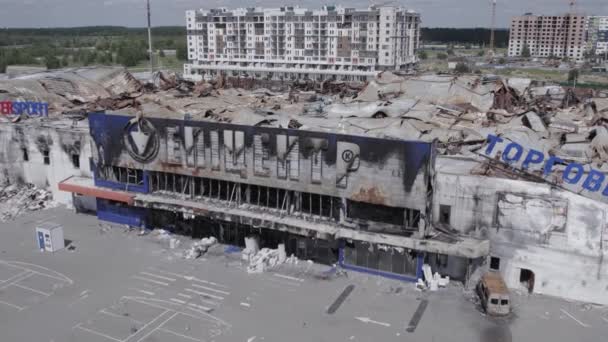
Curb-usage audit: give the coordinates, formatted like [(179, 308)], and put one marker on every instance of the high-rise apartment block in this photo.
[(549, 36), (291, 43), (597, 34)]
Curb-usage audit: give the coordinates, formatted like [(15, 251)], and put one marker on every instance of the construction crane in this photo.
[(493, 26), (150, 41), (572, 6)]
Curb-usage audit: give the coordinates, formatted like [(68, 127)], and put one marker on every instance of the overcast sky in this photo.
[(435, 13)]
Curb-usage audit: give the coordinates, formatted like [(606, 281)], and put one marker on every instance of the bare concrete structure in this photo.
[(548, 36)]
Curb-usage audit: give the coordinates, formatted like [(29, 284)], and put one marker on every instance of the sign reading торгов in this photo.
[(574, 176)]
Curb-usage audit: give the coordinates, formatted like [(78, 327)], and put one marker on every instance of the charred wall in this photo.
[(364, 169)]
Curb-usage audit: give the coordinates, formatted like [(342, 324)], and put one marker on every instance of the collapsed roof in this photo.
[(456, 111)]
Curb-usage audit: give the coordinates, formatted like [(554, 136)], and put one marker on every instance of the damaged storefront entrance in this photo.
[(386, 261), (233, 233)]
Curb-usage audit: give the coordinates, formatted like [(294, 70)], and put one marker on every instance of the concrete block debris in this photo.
[(432, 281), (16, 199), (200, 247), (267, 258)]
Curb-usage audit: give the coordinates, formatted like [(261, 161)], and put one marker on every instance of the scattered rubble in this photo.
[(267, 258), (199, 248), (16, 199), (431, 281)]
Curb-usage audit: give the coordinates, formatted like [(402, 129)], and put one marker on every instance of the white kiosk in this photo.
[(50, 237)]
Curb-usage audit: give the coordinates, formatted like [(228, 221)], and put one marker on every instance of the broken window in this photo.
[(46, 157), (76, 160), (26, 156), (317, 166), (215, 150), (200, 149), (494, 263), (444, 214), (260, 155), (375, 213), (173, 145)]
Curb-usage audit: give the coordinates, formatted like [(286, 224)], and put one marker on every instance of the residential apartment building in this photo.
[(290, 43), (548, 36), (597, 34)]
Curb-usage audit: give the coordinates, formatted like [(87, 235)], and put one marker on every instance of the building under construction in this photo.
[(462, 173)]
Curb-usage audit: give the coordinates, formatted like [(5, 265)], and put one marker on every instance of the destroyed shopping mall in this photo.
[(464, 174)]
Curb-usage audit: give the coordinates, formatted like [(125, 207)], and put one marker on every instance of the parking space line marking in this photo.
[(17, 279), (191, 278), (157, 276), (283, 282), (31, 289), (97, 333), (200, 307), (574, 318), (13, 305), (207, 318), (210, 289), (177, 300), (148, 324), (179, 335), (153, 330), (605, 319), (247, 305), (150, 280), (288, 277), (204, 294), (64, 279), (111, 314), (142, 291), (184, 295), (15, 276)]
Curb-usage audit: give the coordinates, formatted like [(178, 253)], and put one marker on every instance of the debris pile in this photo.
[(200, 247), (267, 258), (431, 281), (17, 199)]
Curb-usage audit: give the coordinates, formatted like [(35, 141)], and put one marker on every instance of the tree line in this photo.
[(477, 36)]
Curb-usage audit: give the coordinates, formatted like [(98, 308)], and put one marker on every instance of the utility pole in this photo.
[(150, 42), (493, 25)]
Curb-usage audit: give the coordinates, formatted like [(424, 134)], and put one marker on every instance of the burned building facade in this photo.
[(357, 200)]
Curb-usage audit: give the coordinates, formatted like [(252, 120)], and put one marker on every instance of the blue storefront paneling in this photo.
[(120, 213)]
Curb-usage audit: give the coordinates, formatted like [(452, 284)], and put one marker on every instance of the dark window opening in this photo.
[(444, 214), (504, 302), (26, 156), (47, 157), (494, 263), (526, 278), (76, 160), (326, 207), (494, 301), (376, 213)]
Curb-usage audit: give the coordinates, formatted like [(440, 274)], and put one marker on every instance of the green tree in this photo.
[(442, 56), (502, 60), (423, 55), (450, 52), (462, 68), (161, 53), (573, 75), (525, 51), (52, 62), (182, 52), (481, 53)]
